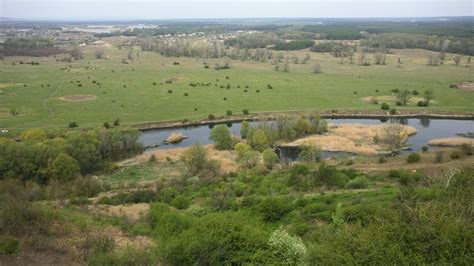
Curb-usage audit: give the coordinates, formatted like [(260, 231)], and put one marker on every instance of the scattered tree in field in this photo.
[(394, 137), (285, 67), (380, 58), (434, 60), (428, 95), (468, 63), (442, 56), (457, 59), (2, 57), (196, 161), (399, 62), (117, 122), (364, 59), (76, 53), (130, 55), (99, 54), (222, 138), (317, 68), (404, 96)]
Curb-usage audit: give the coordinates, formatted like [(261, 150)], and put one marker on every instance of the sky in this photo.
[(182, 9)]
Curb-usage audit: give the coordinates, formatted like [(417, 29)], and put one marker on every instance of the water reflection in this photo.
[(425, 122)]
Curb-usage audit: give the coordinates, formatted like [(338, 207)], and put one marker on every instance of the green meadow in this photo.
[(127, 91)]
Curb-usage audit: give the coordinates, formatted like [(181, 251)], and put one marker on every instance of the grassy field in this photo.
[(126, 91)]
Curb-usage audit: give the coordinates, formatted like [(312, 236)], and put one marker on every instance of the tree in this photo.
[(99, 54), (249, 159), (270, 158), (244, 129), (457, 59), (399, 62), (364, 59), (76, 53), (380, 58), (197, 162), (63, 168), (428, 95), (33, 135), (220, 134), (309, 153), (258, 139), (84, 148), (433, 60), (404, 96), (395, 137), (241, 149), (317, 68), (289, 249)]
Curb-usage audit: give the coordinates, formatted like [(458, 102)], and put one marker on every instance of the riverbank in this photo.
[(329, 114)]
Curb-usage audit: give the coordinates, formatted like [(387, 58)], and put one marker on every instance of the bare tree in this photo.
[(99, 54), (399, 62), (285, 67), (468, 61), (364, 59), (317, 68), (404, 96), (2, 57), (457, 59), (380, 58), (395, 137), (433, 60), (76, 53), (130, 55)]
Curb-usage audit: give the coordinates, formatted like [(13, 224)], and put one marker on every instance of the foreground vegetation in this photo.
[(188, 208)]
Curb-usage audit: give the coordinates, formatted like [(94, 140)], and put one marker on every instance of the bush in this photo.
[(455, 155), (413, 158), (288, 249), (382, 160), (249, 159), (241, 149), (422, 104), (211, 117), (393, 111), (466, 149), (245, 111), (72, 124), (424, 148), (258, 139), (229, 112), (8, 245), (106, 125), (385, 106), (181, 202), (196, 161), (438, 156), (220, 134), (358, 182), (274, 209), (270, 158)]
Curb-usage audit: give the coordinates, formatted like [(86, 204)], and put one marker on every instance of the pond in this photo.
[(427, 129)]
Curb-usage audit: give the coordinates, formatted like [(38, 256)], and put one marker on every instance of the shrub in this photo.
[(211, 117), (8, 245), (385, 106), (309, 153), (229, 112), (181, 202), (258, 139), (152, 158), (393, 111), (72, 124), (244, 129), (63, 168), (185, 94), (106, 125), (220, 134), (421, 104), (270, 158), (413, 158), (249, 159), (438, 156), (274, 209), (415, 92), (196, 161), (117, 122), (241, 149), (288, 249), (455, 155), (466, 149), (382, 159), (245, 111), (358, 182), (424, 148), (170, 91)]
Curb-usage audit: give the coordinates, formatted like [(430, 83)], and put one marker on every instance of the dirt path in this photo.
[(45, 101)]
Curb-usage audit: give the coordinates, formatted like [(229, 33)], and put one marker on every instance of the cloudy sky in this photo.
[(165, 9)]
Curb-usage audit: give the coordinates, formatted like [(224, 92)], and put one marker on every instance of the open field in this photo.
[(47, 95)]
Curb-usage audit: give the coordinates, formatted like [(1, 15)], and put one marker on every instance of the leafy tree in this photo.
[(250, 159), (404, 96), (309, 153), (63, 168), (428, 95), (244, 129), (220, 134), (84, 148), (258, 139), (33, 135), (241, 149)]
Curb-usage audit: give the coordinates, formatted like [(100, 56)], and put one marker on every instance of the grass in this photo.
[(126, 91)]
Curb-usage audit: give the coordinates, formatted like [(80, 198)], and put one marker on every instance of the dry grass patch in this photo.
[(78, 98), (465, 86), (451, 142), (133, 212), (353, 138)]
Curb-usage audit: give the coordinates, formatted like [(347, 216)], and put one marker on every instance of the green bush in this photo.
[(229, 112), (413, 158), (385, 106), (270, 158), (455, 155), (358, 182), (245, 111), (8, 245), (220, 134), (273, 209), (393, 111), (72, 124)]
